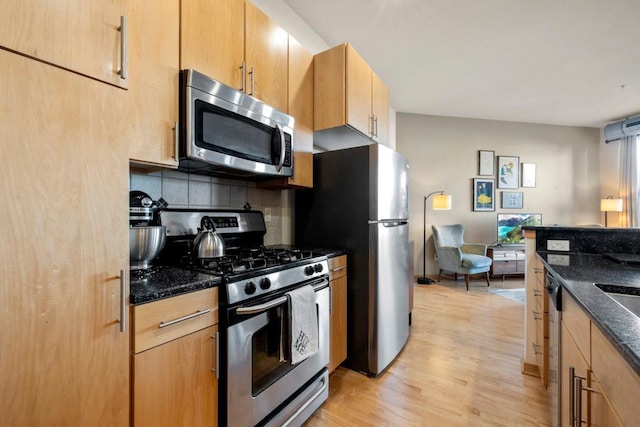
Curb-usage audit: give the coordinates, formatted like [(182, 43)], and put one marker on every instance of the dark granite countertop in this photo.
[(167, 281), (578, 273)]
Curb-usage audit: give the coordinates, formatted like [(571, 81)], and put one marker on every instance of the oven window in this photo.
[(269, 358)]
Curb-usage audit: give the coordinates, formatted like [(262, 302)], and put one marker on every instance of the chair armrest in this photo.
[(449, 257), (474, 248)]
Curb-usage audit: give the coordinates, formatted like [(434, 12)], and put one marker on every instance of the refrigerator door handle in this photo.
[(390, 223)]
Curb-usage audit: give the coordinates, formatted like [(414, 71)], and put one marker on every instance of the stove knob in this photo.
[(250, 288), (308, 270), (265, 283), (318, 268)]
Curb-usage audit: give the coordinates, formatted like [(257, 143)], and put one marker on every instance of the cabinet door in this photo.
[(358, 92), (301, 109), (64, 358), (266, 48), (380, 108), (571, 357), (212, 38), (79, 35), (154, 70), (338, 320), (175, 384), (601, 413)]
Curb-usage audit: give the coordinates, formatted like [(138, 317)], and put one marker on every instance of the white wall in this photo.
[(443, 155)]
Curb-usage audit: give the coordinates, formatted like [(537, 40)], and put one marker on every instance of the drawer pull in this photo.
[(538, 270), (536, 293), (536, 315), (182, 319), (333, 270), (535, 349)]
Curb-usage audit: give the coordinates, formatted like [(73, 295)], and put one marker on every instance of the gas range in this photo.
[(248, 270)]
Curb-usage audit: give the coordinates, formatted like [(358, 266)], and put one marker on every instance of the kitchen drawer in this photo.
[(505, 267), (337, 267), (158, 322)]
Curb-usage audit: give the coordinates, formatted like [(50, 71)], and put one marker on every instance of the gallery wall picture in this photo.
[(483, 194), (508, 172), (528, 174), (486, 163), (511, 200)]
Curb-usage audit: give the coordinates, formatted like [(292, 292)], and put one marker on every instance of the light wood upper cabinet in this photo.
[(212, 39), (153, 70), (300, 106), (80, 35), (265, 51), (219, 36), (64, 360), (348, 92)]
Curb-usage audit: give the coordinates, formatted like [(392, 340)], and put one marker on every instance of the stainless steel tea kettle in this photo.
[(208, 243)]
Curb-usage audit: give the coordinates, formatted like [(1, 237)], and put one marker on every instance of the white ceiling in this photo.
[(564, 62)]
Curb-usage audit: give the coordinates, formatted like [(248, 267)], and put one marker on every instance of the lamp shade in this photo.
[(610, 205), (442, 202)]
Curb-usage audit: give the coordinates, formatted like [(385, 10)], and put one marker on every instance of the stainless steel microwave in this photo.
[(226, 132)]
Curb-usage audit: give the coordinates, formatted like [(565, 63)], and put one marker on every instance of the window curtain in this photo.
[(629, 182)]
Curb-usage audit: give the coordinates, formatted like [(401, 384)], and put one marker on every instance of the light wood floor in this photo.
[(460, 367)]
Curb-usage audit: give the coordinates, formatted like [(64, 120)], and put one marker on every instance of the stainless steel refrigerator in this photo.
[(359, 202)]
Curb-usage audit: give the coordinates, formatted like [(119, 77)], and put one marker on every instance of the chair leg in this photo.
[(488, 280), (439, 274), (466, 280)]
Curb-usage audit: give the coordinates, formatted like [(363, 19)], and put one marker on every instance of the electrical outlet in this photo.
[(558, 259), (558, 245)]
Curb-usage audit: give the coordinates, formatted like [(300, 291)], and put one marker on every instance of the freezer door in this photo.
[(389, 196), (389, 311)]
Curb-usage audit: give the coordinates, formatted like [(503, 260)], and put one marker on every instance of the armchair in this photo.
[(456, 256)]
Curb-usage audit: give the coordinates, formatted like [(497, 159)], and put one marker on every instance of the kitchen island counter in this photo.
[(578, 272)]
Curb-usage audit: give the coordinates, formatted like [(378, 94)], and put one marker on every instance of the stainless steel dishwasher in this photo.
[(554, 293)]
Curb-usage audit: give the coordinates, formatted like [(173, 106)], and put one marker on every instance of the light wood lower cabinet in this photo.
[(175, 383), (607, 388), (338, 316), (175, 361)]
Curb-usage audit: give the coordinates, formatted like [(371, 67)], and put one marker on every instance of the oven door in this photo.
[(259, 379)]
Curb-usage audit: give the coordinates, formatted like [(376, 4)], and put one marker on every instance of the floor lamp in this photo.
[(610, 205), (441, 202)]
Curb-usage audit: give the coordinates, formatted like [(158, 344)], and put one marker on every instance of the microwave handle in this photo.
[(282, 147)]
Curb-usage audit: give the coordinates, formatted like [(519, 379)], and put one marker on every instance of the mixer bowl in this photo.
[(145, 243)]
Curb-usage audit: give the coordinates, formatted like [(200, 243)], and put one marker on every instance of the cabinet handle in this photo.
[(243, 69), (375, 122), (123, 47), (330, 299), (123, 300), (536, 293), (535, 348), (333, 270), (538, 270), (370, 125), (253, 81), (176, 142), (198, 313), (216, 337), (536, 315)]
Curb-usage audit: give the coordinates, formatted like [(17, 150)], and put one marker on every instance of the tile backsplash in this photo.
[(182, 190)]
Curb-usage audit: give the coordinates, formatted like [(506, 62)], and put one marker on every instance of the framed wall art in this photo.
[(508, 171), (483, 194), (528, 175), (485, 163), (511, 199)]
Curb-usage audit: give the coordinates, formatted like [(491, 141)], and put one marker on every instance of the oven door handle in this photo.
[(282, 148), (261, 307), (255, 309)]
